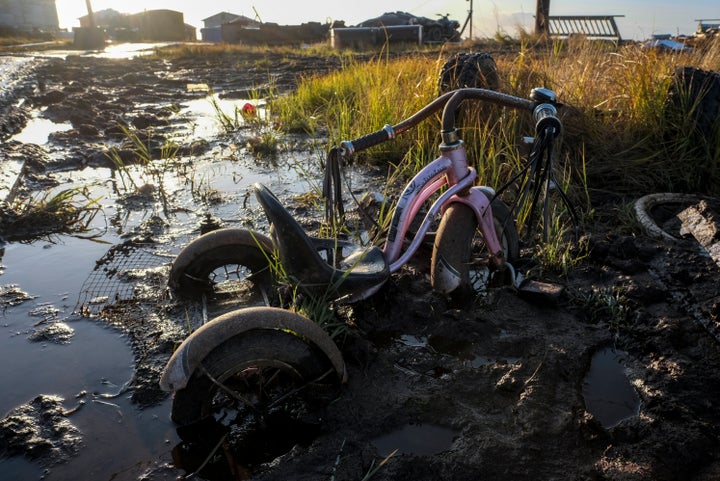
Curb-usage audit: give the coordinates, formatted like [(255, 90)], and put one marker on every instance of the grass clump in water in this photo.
[(69, 211)]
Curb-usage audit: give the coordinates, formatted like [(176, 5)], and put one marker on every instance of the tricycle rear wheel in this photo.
[(225, 262), (255, 376)]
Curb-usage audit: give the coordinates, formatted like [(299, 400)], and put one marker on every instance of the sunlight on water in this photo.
[(39, 129), (130, 50), (98, 359)]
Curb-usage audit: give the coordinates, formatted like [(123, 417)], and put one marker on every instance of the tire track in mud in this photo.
[(17, 82)]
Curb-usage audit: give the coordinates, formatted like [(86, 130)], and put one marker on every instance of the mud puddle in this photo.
[(38, 131), (609, 395), (86, 368), (92, 367), (419, 439)]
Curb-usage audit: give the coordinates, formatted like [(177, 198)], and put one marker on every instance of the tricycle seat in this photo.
[(319, 264)]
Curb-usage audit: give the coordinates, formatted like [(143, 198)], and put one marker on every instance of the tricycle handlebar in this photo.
[(369, 140), (545, 116), (544, 112), (389, 132)]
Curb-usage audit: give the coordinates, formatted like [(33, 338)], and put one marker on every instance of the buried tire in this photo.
[(224, 262), (257, 378), (475, 70), (696, 93), (460, 249)]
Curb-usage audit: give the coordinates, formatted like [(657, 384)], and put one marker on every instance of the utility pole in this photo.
[(90, 37), (542, 11), (91, 15), (470, 18), (257, 15)]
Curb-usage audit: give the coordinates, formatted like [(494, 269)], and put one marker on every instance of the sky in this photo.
[(641, 18)]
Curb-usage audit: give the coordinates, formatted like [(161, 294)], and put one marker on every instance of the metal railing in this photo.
[(592, 26)]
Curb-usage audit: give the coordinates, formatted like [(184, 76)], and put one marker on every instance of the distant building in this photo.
[(708, 27), (213, 25), (269, 33), (219, 18), (150, 25), (108, 19), (159, 25), (29, 15)]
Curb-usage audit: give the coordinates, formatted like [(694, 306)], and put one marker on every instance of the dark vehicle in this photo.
[(433, 30)]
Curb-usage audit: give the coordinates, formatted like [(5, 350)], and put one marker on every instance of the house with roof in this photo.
[(212, 26), (148, 25)]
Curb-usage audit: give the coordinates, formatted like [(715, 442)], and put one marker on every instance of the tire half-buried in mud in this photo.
[(256, 377), (223, 260), (476, 70), (697, 92), (459, 247)]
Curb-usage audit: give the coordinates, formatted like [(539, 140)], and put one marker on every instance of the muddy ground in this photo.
[(498, 386)]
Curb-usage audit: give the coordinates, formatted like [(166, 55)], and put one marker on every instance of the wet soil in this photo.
[(39, 429), (492, 390)]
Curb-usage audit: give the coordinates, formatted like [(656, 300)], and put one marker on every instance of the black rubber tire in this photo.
[(194, 270), (459, 243), (475, 70), (242, 364), (434, 34), (697, 92)]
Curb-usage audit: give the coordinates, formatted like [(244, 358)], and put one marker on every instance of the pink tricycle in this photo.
[(253, 363)]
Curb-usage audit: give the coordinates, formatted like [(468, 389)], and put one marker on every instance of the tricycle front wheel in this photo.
[(460, 250)]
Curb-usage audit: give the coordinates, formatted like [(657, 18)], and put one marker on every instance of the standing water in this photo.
[(609, 395), (418, 439), (86, 370), (50, 349)]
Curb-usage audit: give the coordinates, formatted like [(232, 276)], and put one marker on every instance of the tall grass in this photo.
[(619, 116), (620, 134), (360, 98)]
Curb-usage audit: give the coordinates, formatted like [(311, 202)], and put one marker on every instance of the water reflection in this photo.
[(419, 439), (38, 130), (609, 395)]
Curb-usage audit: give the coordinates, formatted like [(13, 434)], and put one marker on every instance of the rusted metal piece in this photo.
[(703, 224), (539, 292)]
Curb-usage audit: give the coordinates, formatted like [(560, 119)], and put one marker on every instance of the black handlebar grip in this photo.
[(369, 140), (546, 116)]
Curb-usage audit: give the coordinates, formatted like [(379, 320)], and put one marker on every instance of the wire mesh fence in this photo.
[(124, 275)]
